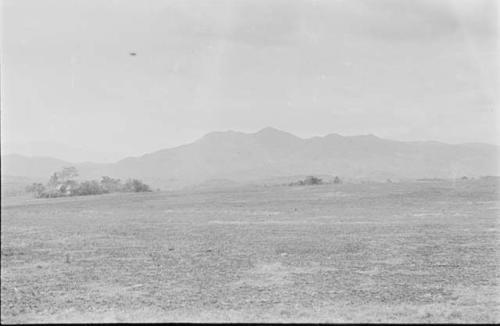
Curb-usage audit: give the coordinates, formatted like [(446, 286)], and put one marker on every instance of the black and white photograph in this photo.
[(250, 161)]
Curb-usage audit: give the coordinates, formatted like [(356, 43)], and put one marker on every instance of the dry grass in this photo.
[(363, 253)]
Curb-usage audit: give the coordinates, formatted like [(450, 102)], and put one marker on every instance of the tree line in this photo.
[(62, 183)]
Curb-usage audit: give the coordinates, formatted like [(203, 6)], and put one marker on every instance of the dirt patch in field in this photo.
[(277, 274), (426, 214), (338, 313), (265, 275), (256, 222)]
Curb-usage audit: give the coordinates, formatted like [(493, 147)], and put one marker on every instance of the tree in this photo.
[(67, 173), (337, 180), (53, 181), (62, 181)]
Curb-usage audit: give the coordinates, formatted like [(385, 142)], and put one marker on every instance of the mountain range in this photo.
[(271, 153)]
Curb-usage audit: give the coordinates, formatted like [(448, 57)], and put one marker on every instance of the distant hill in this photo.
[(60, 151), (31, 167), (271, 153), (16, 186)]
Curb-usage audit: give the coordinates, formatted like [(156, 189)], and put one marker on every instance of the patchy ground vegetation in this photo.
[(381, 252), (63, 184)]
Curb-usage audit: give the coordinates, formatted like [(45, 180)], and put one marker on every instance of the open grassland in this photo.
[(406, 252)]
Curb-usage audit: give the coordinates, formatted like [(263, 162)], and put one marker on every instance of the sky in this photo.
[(399, 69)]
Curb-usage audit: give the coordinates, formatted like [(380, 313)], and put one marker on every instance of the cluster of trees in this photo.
[(311, 181), (63, 183)]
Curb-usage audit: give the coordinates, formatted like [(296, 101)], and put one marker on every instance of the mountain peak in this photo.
[(367, 136), (276, 139), (273, 132), (214, 135), (268, 130)]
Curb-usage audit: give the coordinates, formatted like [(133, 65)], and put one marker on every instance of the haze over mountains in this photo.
[(271, 153)]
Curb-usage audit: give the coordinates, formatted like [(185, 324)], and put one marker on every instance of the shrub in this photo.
[(51, 193), (37, 188), (89, 188), (111, 185), (68, 187), (134, 185), (313, 181), (307, 182)]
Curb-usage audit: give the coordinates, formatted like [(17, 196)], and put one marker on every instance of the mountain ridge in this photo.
[(270, 152)]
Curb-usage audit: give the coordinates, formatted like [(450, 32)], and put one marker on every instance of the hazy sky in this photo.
[(399, 69)]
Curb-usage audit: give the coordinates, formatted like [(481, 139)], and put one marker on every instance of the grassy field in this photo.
[(401, 252)]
